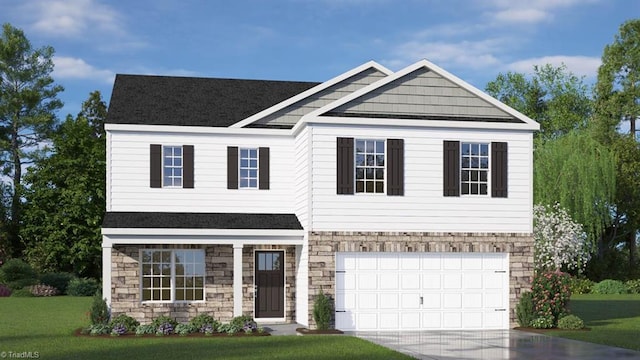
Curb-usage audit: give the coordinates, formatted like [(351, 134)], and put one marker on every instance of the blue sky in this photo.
[(311, 40)]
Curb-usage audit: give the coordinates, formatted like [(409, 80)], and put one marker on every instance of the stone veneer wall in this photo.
[(125, 284), (323, 246)]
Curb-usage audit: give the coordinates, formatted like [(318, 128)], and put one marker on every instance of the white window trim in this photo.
[(386, 178), (173, 167), (257, 187), (173, 278), (488, 194)]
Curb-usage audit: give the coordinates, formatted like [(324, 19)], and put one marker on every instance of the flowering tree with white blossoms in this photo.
[(559, 241)]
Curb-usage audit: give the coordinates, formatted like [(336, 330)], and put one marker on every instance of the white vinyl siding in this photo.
[(302, 170), (128, 175), (423, 206)]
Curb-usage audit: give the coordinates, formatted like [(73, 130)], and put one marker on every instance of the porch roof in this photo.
[(182, 220)]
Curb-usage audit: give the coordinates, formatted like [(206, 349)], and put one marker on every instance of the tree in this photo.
[(560, 243), (27, 105), (65, 196), (553, 96)]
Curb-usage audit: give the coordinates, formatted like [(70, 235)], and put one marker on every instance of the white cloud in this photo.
[(521, 16), (72, 18), (75, 68), (526, 11), (578, 65)]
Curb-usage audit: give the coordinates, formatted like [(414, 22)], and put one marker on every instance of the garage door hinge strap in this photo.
[(501, 309), (341, 310), (340, 271), (500, 271)]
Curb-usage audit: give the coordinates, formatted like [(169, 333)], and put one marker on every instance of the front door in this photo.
[(269, 270)]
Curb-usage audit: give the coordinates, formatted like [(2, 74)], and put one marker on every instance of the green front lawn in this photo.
[(614, 320), (45, 325)]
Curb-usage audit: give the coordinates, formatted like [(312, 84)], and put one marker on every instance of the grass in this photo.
[(614, 320), (46, 325)]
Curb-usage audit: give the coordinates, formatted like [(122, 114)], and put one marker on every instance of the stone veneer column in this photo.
[(237, 279)]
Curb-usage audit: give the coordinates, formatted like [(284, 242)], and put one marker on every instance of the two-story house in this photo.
[(406, 197)]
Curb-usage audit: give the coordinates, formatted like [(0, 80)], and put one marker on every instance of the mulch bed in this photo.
[(544, 331), (78, 332), (305, 331)]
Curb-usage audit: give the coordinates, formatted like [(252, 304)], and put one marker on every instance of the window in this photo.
[(369, 165), (474, 169), (172, 166), (248, 168), (173, 275)]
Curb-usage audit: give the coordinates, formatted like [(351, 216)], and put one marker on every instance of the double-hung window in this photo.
[(369, 166), (248, 168), (173, 275), (474, 168), (172, 166)]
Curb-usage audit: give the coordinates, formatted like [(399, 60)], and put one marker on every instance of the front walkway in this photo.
[(494, 345)]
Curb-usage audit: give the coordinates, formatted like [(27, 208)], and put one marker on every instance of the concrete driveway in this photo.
[(494, 345)]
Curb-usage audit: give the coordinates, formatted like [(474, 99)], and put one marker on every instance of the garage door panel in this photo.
[(413, 291)]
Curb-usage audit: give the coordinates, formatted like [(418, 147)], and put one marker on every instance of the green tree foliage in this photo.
[(28, 100), (583, 182), (552, 96), (65, 196)]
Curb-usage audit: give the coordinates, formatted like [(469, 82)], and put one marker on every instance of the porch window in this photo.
[(172, 275)]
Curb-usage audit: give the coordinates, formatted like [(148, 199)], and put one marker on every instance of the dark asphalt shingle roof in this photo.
[(190, 101), (173, 220)]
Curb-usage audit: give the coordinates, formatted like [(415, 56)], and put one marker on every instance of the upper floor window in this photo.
[(369, 166), (249, 168), (173, 275), (474, 169), (172, 166)]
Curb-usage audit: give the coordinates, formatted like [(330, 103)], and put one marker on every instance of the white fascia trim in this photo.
[(196, 129), (312, 91), (529, 123), (200, 232), (109, 241), (334, 120)]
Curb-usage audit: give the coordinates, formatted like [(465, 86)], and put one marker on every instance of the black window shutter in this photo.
[(263, 168), (499, 173), (395, 167), (345, 169), (187, 166), (232, 167), (155, 165), (451, 173)]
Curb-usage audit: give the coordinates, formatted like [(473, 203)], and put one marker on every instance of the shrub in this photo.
[(230, 328), (633, 286), (99, 311), (99, 329), (146, 329), (4, 291), (525, 310), (83, 287), (551, 294), (204, 323), (17, 274), (543, 322), (322, 309), (118, 329), (162, 319), (570, 322), (43, 290), (580, 285), (130, 324), (242, 323), (209, 329), (609, 287), (59, 281), (21, 293), (185, 329), (165, 329)]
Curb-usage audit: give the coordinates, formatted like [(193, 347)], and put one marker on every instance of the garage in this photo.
[(421, 291)]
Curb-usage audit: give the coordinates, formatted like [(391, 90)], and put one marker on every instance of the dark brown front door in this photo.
[(270, 284)]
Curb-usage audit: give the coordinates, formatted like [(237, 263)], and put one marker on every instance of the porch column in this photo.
[(106, 273), (237, 280)]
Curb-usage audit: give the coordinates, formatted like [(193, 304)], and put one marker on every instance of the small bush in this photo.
[(551, 294), (570, 322), (43, 290), (231, 328), (185, 329), (525, 310), (4, 291), (165, 329), (100, 329), (15, 271), (83, 287), (633, 286), (580, 285), (204, 322), (99, 311), (609, 287), (209, 329), (21, 293), (542, 322), (146, 329), (322, 309), (118, 329), (59, 281), (162, 319), (130, 324)]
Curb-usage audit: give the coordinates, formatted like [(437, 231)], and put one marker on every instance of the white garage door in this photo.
[(421, 291)]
